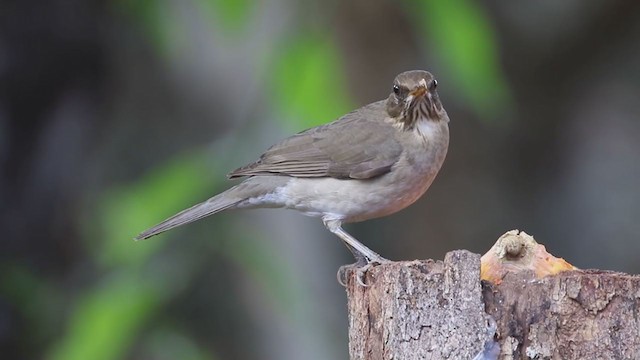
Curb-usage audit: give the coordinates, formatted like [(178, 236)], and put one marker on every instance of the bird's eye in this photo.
[(396, 89), (433, 85)]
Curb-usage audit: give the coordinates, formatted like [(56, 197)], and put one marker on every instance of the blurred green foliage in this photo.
[(231, 15), (181, 181), (152, 16), (308, 82), (106, 320), (168, 344), (37, 298), (107, 317), (466, 42)]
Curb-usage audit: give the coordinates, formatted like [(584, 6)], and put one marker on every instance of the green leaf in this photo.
[(466, 43), (128, 210), (105, 322), (230, 15), (108, 317), (308, 86)]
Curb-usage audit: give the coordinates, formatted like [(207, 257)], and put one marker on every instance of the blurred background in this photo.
[(116, 114)]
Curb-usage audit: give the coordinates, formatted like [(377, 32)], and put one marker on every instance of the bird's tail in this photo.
[(252, 188), (214, 205)]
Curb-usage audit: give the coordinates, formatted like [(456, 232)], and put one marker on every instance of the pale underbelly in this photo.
[(352, 200)]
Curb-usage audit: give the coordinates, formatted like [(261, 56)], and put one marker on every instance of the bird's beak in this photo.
[(419, 91)]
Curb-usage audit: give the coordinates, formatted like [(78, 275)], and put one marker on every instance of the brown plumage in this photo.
[(329, 151), (369, 163)]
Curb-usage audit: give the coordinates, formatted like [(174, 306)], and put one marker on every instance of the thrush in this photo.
[(371, 162)]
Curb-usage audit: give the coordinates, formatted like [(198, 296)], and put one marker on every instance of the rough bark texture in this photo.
[(572, 315), (418, 310), (436, 310)]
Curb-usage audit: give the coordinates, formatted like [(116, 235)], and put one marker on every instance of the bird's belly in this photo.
[(354, 200)]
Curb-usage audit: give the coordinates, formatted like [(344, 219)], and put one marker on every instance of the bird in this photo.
[(369, 163)]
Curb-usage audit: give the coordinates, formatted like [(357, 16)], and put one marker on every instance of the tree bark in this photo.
[(442, 310)]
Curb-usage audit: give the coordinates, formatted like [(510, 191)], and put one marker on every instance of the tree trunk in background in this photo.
[(436, 310)]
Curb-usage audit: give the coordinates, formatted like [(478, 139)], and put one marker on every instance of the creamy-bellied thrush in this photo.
[(369, 163)]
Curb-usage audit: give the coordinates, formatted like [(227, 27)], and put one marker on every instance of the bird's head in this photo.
[(414, 98)]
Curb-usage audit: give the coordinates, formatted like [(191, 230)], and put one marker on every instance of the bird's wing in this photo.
[(360, 145)]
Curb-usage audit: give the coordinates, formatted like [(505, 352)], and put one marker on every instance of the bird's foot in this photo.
[(360, 268), (344, 270)]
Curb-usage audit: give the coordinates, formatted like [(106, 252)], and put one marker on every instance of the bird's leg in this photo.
[(361, 260), (358, 249), (364, 256)]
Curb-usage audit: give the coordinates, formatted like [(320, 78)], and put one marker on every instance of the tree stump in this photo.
[(442, 310)]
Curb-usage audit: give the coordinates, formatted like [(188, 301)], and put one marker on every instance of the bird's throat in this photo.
[(417, 111)]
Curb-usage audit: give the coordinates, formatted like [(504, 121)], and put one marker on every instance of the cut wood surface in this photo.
[(442, 310)]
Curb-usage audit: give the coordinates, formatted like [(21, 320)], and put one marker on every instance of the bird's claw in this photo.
[(344, 270), (360, 271), (361, 275)]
